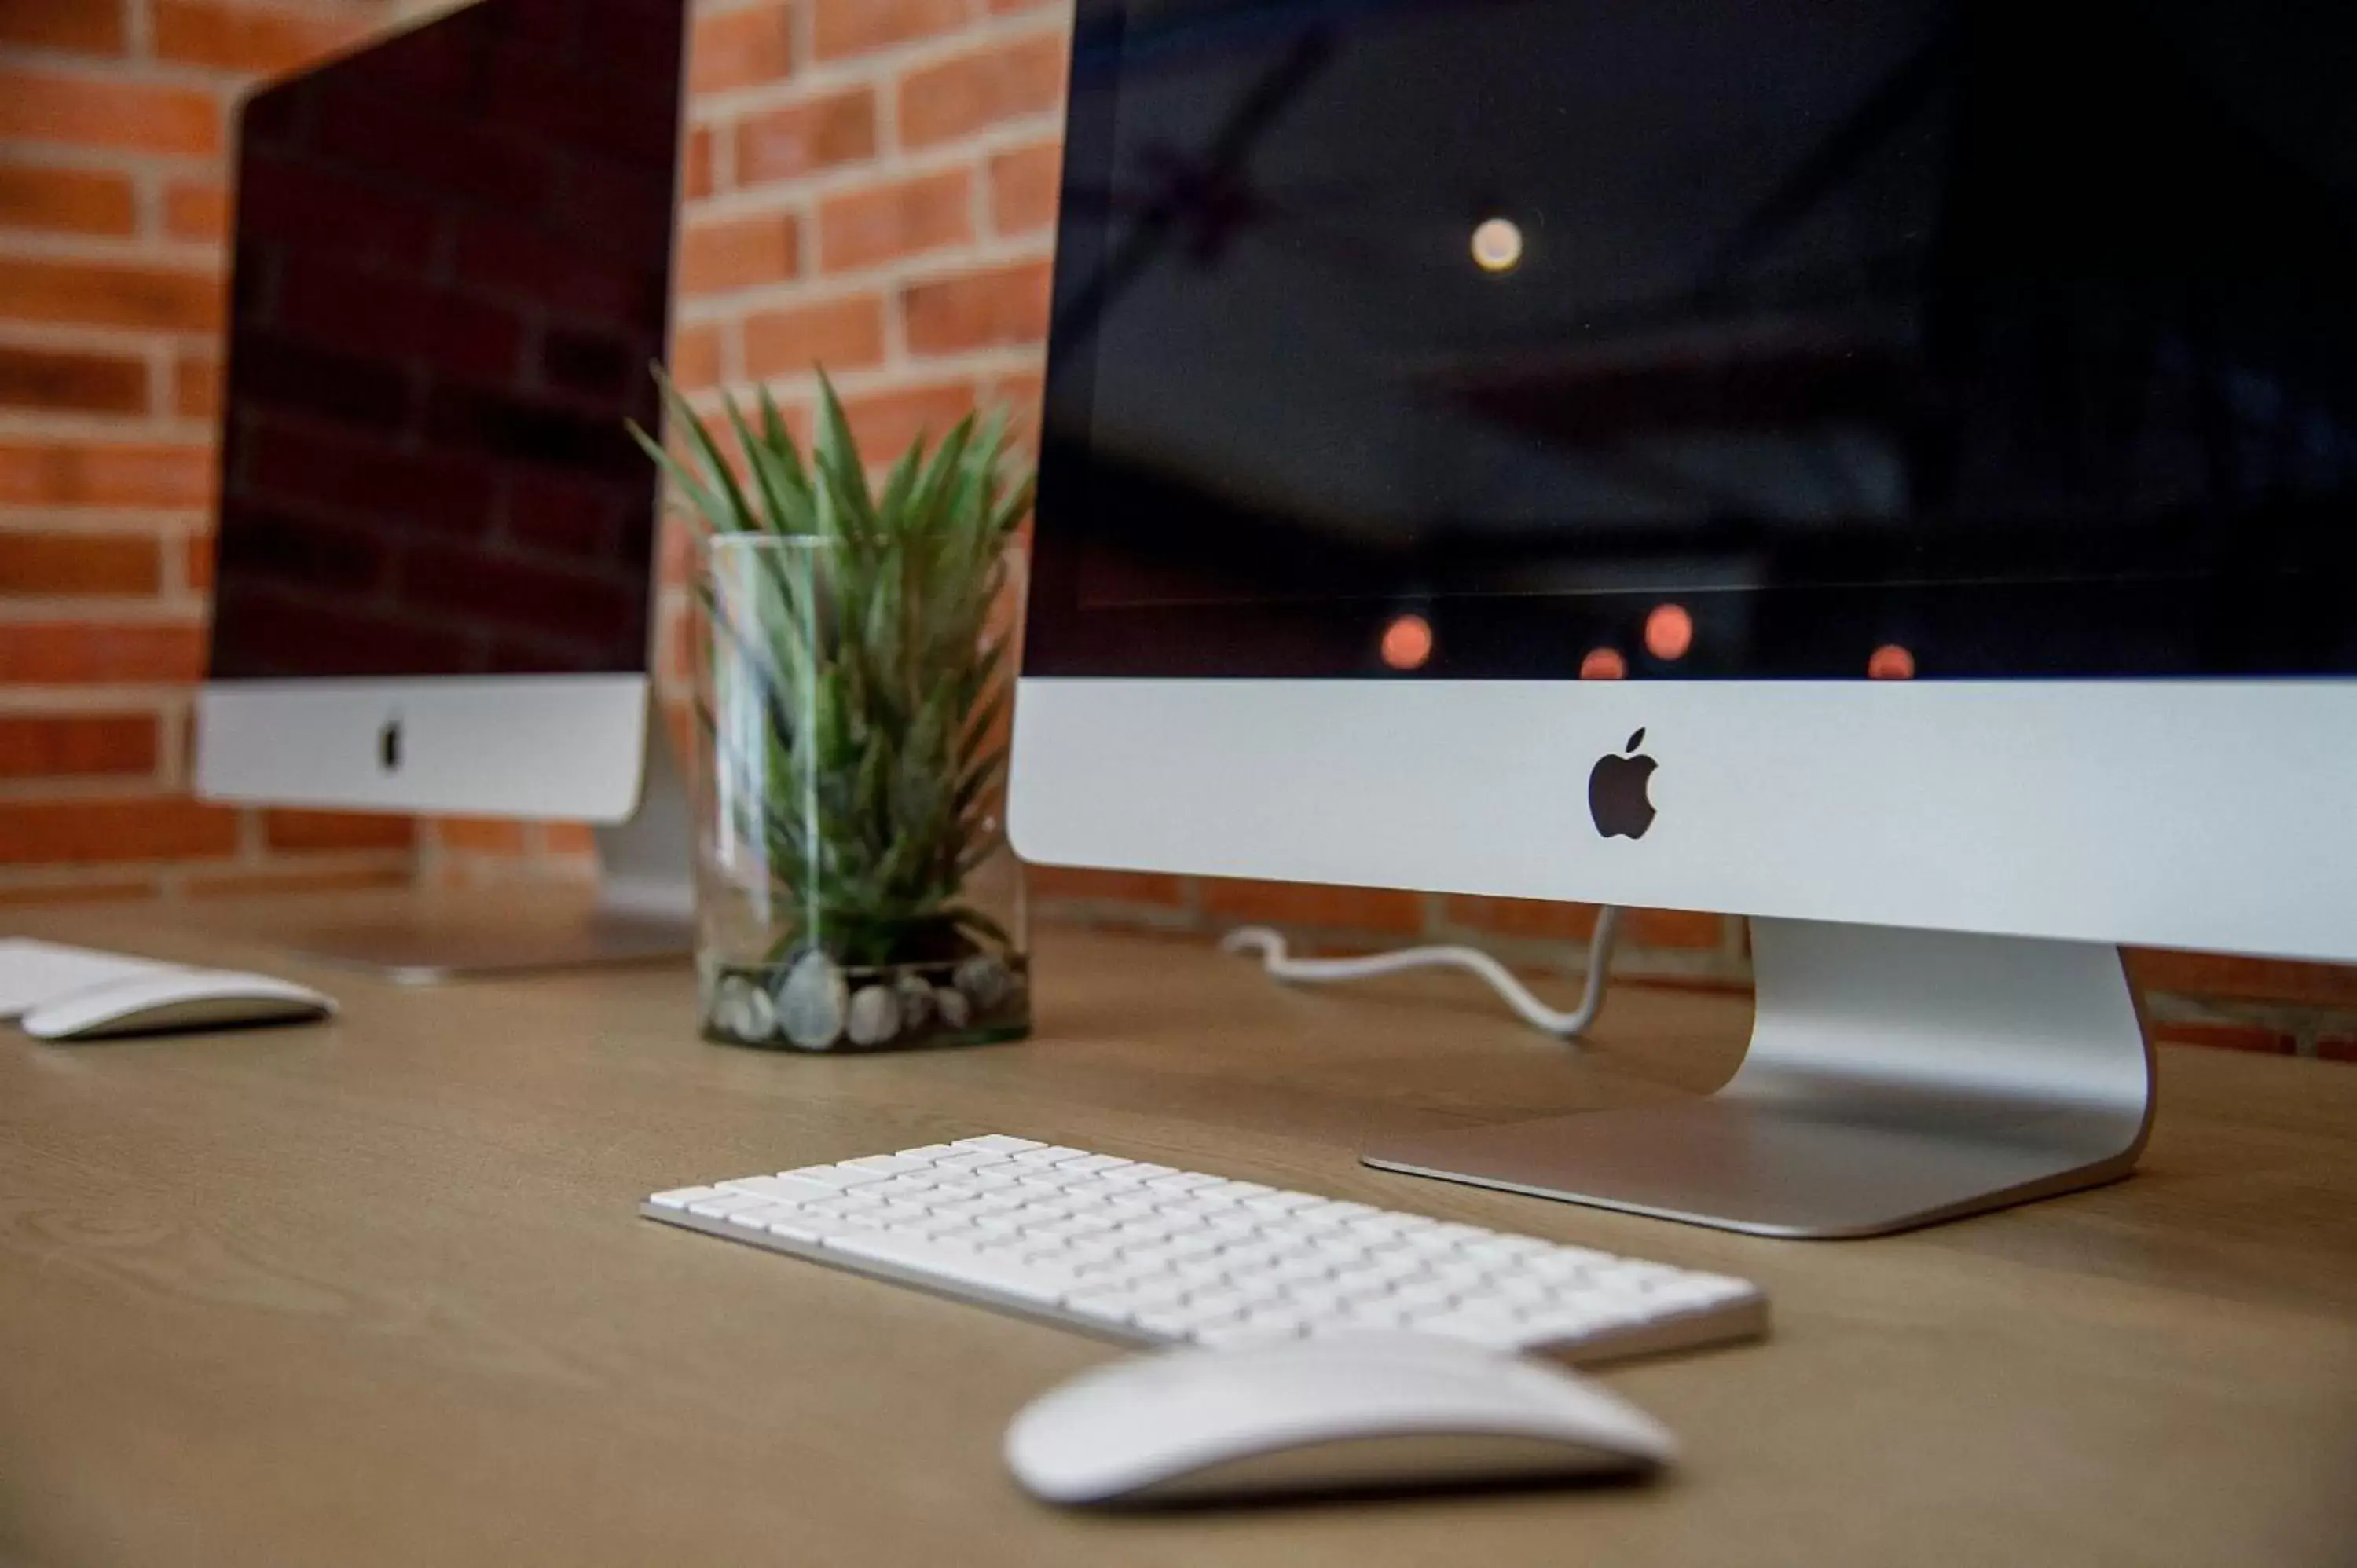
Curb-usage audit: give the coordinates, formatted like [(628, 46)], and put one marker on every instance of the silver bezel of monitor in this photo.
[(2209, 814), (563, 747)]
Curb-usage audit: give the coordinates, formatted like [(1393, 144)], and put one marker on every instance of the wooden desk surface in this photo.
[(374, 1292)]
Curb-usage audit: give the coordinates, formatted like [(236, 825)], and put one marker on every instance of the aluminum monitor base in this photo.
[(427, 951), (1894, 1078), (645, 911)]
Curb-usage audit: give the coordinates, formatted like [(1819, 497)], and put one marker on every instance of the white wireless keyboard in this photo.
[(1145, 1253)]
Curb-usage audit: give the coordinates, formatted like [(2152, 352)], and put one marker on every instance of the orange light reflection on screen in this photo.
[(1890, 662), (1408, 642), (1669, 631)]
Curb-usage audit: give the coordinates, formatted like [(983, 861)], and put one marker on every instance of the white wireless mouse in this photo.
[(174, 999), (1346, 1413)]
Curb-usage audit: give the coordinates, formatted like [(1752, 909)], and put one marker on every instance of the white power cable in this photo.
[(1282, 966)]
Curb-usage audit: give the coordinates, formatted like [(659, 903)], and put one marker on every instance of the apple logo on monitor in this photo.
[(1616, 792), (388, 744)]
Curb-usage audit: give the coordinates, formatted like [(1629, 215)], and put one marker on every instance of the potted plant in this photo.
[(855, 652)]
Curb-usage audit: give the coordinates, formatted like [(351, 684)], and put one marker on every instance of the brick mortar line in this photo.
[(940, 263), (62, 877), (102, 521), (808, 190), (1005, 358), (797, 391), (138, 69), (93, 429), (83, 157), (48, 701), (129, 609), (88, 789), (1001, 359), (174, 725), (883, 67), (139, 28), (163, 374), (154, 249), (99, 337), (108, 526)]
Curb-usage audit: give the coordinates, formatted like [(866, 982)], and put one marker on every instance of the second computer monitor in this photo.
[(434, 578)]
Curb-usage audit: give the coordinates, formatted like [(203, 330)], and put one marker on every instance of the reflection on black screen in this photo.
[(2019, 334), (452, 270)]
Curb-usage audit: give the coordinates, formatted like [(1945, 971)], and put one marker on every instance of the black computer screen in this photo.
[(452, 270), (2021, 335)]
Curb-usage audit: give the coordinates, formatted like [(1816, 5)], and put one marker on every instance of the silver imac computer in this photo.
[(1414, 360), (435, 567)]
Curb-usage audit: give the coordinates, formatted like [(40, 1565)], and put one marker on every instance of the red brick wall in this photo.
[(872, 185)]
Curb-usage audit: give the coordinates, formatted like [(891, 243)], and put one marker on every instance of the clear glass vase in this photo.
[(855, 889)]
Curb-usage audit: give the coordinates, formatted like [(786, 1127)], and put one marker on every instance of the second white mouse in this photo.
[(174, 999), (1346, 1413)]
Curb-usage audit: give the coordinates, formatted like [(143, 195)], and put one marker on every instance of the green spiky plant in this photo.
[(881, 684)]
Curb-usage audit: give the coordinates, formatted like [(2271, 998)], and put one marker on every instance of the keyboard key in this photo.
[(1456, 1233), (926, 1152), (802, 1225), (1092, 1164), (680, 1197), (1333, 1210), (1458, 1271), (1046, 1154), (1419, 1294), (831, 1175), (1317, 1295), (758, 1218), (1563, 1264), (1504, 1249), (962, 1264), (1401, 1266), (725, 1204), (1182, 1321), (972, 1160), (1299, 1271), (884, 1165), (999, 1144), (1258, 1252), (1279, 1202)]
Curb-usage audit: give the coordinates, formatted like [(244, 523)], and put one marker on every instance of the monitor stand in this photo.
[(1894, 1078), (644, 911)]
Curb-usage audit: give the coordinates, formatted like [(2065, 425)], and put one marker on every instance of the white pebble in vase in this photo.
[(955, 1010), (983, 980), (812, 1001), (759, 1015), (875, 1016), (915, 996), (730, 1001)]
